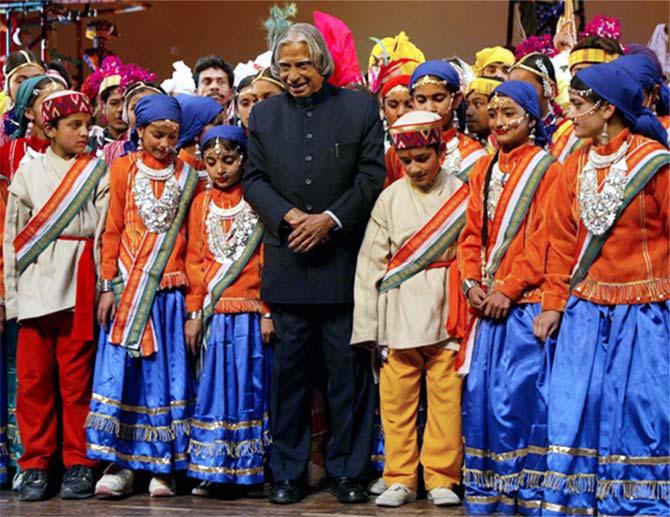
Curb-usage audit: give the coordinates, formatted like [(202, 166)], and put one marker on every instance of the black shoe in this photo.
[(348, 491), (35, 485), (77, 483), (287, 492)]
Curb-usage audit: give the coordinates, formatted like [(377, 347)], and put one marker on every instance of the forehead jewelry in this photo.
[(588, 112), (429, 79), (500, 101)]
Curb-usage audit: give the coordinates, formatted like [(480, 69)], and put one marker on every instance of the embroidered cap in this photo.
[(64, 103), (417, 129)]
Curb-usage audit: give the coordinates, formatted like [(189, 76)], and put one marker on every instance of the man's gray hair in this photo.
[(316, 47)]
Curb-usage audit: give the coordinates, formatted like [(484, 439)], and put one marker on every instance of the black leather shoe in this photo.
[(35, 485), (77, 483), (287, 492), (348, 491)]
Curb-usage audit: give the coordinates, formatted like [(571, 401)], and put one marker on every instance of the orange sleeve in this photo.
[(470, 241), (563, 224), (394, 170), (3, 211), (111, 238), (662, 193), (528, 268), (195, 255)]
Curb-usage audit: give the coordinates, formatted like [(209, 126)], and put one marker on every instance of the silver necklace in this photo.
[(228, 246), (599, 209), (156, 214), (452, 161), (496, 185)]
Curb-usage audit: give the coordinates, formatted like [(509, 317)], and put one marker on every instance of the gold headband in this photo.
[(19, 67), (589, 55), (170, 125), (501, 101), (219, 150), (397, 89), (429, 80)]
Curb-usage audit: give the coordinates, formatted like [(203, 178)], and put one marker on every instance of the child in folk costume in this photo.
[(402, 301), (27, 109), (197, 114), (142, 391), (230, 430), (55, 211), (501, 259), (608, 273)]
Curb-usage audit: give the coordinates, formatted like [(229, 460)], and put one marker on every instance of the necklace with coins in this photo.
[(157, 214)]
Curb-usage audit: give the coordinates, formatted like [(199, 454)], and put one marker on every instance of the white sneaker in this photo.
[(115, 482), (17, 480), (203, 489), (396, 495), (377, 487), (162, 486), (442, 496)]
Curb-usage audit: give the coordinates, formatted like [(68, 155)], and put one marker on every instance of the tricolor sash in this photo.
[(471, 152), (74, 190), (512, 209), (565, 142), (227, 273), (429, 242), (511, 212), (141, 274), (641, 171)]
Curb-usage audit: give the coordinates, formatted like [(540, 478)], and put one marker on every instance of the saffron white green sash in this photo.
[(429, 242), (636, 180), (228, 272), (138, 284), (513, 215), (74, 190), (517, 209)]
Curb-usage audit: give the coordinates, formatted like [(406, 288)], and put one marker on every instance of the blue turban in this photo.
[(196, 113), (149, 109), (436, 68), (648, 72), (613, 83), (23, 97), (231, 133), (157, 107), (525, 96), (446, 72)]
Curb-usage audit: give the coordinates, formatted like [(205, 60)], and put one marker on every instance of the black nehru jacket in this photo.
[(323, 152)]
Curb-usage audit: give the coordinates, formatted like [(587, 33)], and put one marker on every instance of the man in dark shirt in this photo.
[(314, 170)]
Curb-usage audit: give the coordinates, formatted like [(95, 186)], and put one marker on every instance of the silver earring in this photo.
[(531, 137), (454, 120), (604, 137)]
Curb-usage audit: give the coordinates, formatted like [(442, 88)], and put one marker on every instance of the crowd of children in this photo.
[(513, 283)]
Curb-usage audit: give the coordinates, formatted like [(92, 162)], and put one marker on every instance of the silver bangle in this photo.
[(267, 315), (106, 286), (195, 315), (468, 284)]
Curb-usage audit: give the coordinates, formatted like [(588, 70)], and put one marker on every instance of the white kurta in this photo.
[(415, 313), (49, 284)]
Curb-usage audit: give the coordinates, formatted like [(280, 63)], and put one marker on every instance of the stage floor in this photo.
[(319, 504)]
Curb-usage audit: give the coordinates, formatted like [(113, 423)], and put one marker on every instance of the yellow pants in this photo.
[(399, 385)]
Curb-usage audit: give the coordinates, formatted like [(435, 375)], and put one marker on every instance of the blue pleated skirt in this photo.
[(609, 411), (230, 430), (141, 407), (4, 446), (505, 415)]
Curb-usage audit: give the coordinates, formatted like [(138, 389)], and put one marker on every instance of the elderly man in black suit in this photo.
[(315, 167)]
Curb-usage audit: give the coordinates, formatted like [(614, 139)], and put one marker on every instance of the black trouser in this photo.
[(350, 392)]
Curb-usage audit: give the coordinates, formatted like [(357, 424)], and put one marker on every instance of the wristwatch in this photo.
[(468, 284)]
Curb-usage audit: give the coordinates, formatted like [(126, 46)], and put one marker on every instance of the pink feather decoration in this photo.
[(340, 42)]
